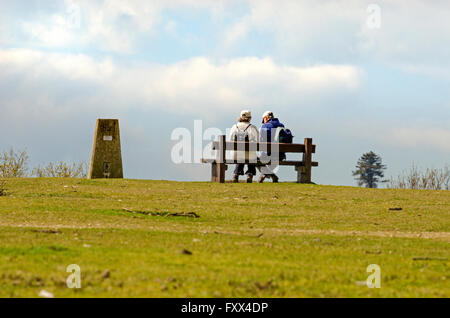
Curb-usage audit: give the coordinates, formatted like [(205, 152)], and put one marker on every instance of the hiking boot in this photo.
[(249, 178), (235, 178), (261, 178), (274, 179)]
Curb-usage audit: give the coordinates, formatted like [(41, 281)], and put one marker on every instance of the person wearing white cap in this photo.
[(246, 132), (270, 124)]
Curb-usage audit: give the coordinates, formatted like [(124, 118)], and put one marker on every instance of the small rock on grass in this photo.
[(46, 294), (373, 252), (186, 252), (106, 274)]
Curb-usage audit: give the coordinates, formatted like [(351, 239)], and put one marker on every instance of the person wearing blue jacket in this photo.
[(267, 131)]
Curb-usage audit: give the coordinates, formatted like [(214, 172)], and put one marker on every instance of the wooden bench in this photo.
[(303, 167)]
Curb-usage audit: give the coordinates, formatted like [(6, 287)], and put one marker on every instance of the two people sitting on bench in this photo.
[(244, 131)]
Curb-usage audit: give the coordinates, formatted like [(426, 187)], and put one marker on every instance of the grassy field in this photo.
[(135, 238)]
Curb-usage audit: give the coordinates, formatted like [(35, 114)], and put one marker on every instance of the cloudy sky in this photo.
[(353, 75)]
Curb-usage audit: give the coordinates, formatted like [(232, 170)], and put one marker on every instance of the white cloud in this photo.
[(37, 65), (304, 27), (418, 134), (171, 27), (115, 24), (198, 85), (108, 25), (421, 138), (237, 32), (438, 71), (55, 34), (412, 31)]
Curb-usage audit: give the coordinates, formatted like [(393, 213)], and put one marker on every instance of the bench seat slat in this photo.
[(259, 163), (262, 146)]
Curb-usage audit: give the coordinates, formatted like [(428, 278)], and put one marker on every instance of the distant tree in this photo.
[(369, 170)]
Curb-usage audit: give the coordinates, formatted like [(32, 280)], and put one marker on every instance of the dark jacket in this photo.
[(266, 130), (266, 134)]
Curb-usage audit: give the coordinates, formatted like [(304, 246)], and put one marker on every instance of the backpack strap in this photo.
[(244, 129)]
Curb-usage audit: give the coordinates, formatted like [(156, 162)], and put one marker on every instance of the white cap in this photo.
[(246, 114), (268, 114)]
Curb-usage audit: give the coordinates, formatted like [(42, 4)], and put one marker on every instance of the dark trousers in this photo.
[(265, 170), (239, 170)]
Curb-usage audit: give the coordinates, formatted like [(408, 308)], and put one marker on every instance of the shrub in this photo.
[(14, 164), (430, 179), (61, 170)]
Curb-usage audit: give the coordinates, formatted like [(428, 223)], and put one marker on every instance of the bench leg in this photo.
[(221, 168), (307, 159), (304, 175), (299, 174), (218, 172), (214, 172)]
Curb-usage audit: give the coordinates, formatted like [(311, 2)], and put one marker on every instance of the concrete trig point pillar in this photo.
[(106, 159)]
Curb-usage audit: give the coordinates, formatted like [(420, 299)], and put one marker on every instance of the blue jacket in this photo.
[(265, 133)]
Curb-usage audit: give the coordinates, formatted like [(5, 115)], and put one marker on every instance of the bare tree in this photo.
[(430, 179), (61, 170), (14, 164)]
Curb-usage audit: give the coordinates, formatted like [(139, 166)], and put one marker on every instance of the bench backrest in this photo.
[(263, 146)]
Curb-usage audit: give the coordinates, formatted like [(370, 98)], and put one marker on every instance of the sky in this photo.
[(356, 76)]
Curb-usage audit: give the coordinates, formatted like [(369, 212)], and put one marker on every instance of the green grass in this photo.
[(251, 240)]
